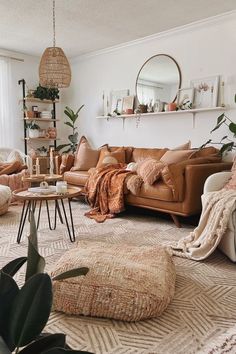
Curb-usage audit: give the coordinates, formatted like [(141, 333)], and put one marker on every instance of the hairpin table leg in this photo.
[(22, 220), (72, 237)]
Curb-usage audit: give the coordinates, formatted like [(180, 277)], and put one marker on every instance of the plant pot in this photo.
[(29, 114), (33, 133)]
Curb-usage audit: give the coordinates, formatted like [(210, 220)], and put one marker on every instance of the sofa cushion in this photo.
[(124, 282), (77, 178), (158, 190), (231, 184), (143, 153), (185, 146), (111, 157), (67, 162), (149, 170), (128, 151), (85, 156), (175, 156), (204, 152)]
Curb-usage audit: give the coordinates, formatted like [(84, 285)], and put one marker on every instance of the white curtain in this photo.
[(8, 129)]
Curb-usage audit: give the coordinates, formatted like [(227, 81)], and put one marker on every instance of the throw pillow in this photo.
[(85, 156), (175, 156), (15, 156), (210, 150), (150, 170), (67, 161), (185, 146), (111, 157), (231, 184)]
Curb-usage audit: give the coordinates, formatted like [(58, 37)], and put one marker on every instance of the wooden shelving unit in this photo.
[(26, 119)]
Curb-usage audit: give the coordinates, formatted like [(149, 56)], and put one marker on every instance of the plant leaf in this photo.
[(77, 113), (12, 267), (48, 342), (72, 273), (73, 138), (62, 351), (3, 347), (68, 150), (30, 310), (227, 147), (206, 143), (35, 262), (69, 124), (224, 137), (8, 292), (218, 125), (232, 128), (62, 146), (220, 118)]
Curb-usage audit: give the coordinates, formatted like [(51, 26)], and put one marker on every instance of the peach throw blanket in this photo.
[(217, 209), (105, 192)]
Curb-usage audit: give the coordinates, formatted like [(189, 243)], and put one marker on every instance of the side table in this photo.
[(30, 201)]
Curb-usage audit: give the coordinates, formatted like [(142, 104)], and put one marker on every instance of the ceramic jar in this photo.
[(52, 132)]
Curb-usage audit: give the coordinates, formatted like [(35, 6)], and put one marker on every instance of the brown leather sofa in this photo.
[(159, 196)]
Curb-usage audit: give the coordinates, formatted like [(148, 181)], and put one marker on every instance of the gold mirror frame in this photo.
[(178, 68)]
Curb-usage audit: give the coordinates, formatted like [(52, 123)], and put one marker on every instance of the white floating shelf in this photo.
[(143, 115)]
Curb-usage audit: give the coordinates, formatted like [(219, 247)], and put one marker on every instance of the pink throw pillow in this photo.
[(150, 170)]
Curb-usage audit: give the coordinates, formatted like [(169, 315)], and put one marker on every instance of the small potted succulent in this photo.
[(42, 151), (33, 129)]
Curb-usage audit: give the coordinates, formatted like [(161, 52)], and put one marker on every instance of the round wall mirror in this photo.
[(158, 79)]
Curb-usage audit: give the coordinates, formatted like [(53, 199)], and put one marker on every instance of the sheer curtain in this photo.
[(7, 112)]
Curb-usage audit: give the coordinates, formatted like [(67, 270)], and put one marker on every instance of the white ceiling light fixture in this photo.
[(54, 67)]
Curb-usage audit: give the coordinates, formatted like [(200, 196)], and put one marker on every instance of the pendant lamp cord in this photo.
[(54, 23)]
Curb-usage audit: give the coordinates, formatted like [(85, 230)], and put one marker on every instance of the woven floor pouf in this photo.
[(124, 282), (5, 198)]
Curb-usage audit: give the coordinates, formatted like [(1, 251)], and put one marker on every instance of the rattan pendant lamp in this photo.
[(54, 68)]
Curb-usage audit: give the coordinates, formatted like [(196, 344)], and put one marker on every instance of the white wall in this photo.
[(201, 50)]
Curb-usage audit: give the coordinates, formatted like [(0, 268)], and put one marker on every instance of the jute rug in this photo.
[(203, 307)]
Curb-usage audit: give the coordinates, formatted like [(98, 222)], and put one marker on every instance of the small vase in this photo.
[(33, 133)]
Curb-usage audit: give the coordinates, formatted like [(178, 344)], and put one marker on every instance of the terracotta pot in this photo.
[(171, 106)]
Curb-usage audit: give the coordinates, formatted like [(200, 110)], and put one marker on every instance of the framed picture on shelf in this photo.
[(205, 92), (185, 98), (117, 100), (128, 104)]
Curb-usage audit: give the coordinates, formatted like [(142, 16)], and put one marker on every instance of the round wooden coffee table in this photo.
[(31, 200)]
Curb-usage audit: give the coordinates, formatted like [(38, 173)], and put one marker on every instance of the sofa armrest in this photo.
[(195, 177), (216, 181)]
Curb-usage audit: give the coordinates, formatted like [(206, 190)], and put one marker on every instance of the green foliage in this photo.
[(32, 125), (44, 93), (227, 142), (24, 312), (73, 138)]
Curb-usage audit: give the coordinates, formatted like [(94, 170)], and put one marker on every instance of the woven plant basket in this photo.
[(54, 69)]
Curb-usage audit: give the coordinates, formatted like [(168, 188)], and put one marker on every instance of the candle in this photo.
[(30, 165), (51, 168), (37, 166)]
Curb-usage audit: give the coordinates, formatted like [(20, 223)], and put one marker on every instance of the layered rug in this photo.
[(203, 310)]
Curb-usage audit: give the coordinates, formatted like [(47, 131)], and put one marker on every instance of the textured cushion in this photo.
[(175, 156), (231, 184), (124, 282), (5, 198), (150, 170), (85, 156), (111, 157)]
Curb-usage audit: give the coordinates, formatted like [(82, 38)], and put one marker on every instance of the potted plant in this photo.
[(42, 151), (45, 93), (24, 311), (33, 129), (73, 138)]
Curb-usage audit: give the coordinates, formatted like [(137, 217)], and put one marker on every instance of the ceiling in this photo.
[(83, 26)]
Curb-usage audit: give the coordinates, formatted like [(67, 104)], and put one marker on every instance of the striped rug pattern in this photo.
[(203, 308)]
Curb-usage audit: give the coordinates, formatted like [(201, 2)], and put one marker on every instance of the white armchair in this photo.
[(228, 243)]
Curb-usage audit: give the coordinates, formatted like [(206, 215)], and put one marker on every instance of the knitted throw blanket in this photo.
[(200, 243), (105, 192)]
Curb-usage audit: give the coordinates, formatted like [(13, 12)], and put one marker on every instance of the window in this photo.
[(7, 107)]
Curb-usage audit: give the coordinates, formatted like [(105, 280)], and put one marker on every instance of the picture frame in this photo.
[(128, 104), (185, 98), (117, 100), (205, 91)]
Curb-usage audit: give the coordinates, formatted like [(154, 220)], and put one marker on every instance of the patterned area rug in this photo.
[(202, 310)]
